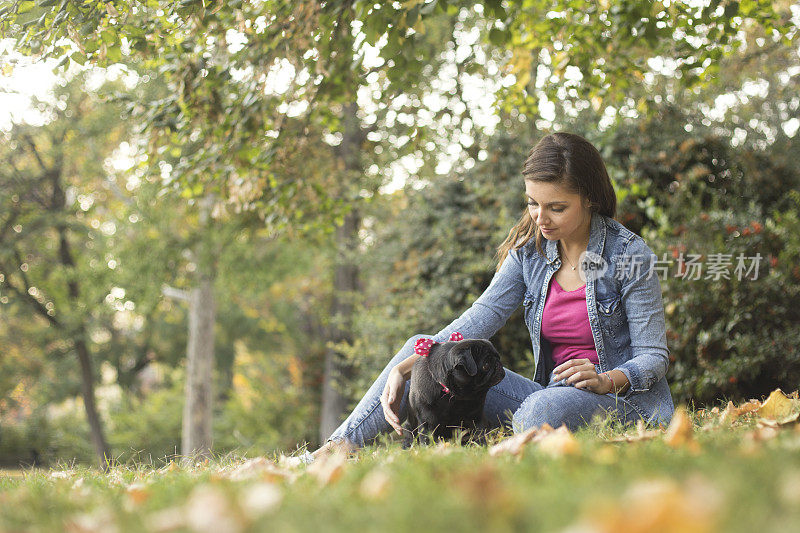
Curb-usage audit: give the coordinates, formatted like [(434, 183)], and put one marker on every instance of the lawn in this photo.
[(734, 468)]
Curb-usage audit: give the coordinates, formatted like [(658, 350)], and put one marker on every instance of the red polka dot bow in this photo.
[(423, 346)]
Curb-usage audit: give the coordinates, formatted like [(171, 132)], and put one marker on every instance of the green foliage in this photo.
[(433, 255), (731, 335), (147, 428), (269, 407)]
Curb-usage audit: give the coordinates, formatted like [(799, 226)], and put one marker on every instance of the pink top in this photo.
[(565, 324)]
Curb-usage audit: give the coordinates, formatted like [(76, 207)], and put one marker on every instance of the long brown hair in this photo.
[(568, 161)]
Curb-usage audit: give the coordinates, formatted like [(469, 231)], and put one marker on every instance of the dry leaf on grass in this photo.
[(556, 442), (259, 498), (761, 434), (512, 445), (165, 520), (732, 412), (99, 521), (208, 510), (559, 442), (659, 505), (328, 468), (777, 407), (259, 468), (680, 432), (137, 494), (375, 484)]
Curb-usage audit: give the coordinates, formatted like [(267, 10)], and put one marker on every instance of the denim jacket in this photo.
[(623, 300)]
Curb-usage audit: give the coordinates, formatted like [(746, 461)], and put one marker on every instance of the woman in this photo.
[(591, 300)]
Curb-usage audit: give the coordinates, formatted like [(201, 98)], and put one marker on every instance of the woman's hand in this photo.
[(391, 397), (582, 374)]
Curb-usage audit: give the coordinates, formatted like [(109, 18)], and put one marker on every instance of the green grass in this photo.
[(735, 479)]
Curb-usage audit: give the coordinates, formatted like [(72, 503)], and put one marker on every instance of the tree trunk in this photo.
[(101, 447), (346, 282), (197, 411), (87, 390)]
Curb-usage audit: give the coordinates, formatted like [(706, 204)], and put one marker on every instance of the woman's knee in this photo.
[(548, 406), (533, 411)]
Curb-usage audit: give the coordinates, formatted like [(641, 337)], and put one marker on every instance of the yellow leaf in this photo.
[(137, 493), (658, 505), (514, 445), (559, 442), (777, 406), (209, 510), (262, 469), (260, 498), (375, 484), (680, 432), (328, 468)]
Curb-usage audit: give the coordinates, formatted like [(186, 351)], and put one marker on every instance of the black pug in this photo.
[(448, 388)]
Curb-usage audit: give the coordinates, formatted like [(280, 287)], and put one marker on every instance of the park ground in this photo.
[(728, 468)]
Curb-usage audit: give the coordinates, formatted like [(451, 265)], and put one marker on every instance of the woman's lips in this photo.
[(546, 230)]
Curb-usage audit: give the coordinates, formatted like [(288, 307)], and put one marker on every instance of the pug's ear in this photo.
[(463, 357), (438, 362)]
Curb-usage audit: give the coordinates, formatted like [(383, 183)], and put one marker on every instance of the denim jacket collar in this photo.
[(597, 239)]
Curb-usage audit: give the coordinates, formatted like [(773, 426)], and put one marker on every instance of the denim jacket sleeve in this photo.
[(641, 296), (492, 308)]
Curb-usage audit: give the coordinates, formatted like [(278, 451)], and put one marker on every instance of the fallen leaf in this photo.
[(375, 484), (99, 521), (730, 414), (260, 498), (260, 468), (328, 468), (165, 520), (138, 493), (750, 406), (482, 486), (514, 445), (762, 433), (659, 505), (777, 406), (680, 432), (559, 442), (209, 511)]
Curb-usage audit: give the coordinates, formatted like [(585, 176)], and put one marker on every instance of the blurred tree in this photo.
[(51, 242), (244, 72)]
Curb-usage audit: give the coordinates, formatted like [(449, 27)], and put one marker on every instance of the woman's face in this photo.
[(558, 213)]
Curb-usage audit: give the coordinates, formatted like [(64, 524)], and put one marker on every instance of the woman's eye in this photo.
[(555, 210)]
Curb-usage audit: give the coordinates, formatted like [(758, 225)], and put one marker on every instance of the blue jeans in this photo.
[(516, 402)]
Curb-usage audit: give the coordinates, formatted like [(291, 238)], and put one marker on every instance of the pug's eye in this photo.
[(485, 366)]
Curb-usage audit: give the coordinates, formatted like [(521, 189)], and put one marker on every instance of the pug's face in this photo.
[(467, 367)]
